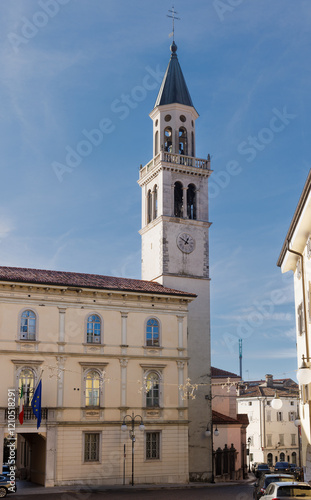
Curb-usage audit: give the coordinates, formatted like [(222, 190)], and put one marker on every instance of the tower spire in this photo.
[(173, 12)]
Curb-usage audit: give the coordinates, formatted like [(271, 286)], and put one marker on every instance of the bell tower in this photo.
[(175, 238)]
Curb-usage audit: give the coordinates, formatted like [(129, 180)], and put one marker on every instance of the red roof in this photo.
[(220, 418), (64, 278), (218, 373)]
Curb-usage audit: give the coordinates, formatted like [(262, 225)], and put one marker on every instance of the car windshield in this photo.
[(300, 491)]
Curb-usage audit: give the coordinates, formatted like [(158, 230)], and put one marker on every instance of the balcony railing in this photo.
[(28, 414), (188, 161)]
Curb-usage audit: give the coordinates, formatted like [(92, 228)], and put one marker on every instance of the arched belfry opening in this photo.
[(168, 144), (178, 199), (183, 145), (191, 202)]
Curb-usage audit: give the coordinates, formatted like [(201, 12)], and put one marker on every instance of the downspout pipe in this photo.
[(303, 295)]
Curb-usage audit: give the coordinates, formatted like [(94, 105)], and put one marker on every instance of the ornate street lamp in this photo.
[(276, 402), (132, 420), (304, 372), (210, 433)]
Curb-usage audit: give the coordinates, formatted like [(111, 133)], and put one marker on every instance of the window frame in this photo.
[(158, 433), (98, 444), (101, 329), (153, 346), (19, 333), (27, 400), (159, 397), (100, 385)]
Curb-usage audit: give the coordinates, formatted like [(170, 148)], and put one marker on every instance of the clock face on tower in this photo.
[(185, 242)]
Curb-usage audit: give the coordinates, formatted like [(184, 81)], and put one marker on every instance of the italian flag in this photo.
[(21, 407)]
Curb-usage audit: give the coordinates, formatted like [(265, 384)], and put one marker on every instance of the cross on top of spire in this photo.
[(173, 16)]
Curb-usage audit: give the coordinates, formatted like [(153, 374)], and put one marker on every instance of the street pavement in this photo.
[(235, 490)]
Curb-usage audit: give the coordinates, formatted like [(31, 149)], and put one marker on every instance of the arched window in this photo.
[(168, 140), (155, 202), (270, 459), (27, 382), (153, 390), (152, 332), (28, 325), (192, 143), (191, 202), (183, 145), (92, 388), (156, 143), (149, 207), (178, 199), (93, 329), (282, 457)]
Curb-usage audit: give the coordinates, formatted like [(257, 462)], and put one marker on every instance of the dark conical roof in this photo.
[(173, 88)]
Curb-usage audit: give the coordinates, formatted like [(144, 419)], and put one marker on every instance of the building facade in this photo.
[(295, 256), (272, 435), (230, 445), (175, 238), (104, 348)]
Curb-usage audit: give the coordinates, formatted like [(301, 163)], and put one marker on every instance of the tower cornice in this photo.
[(175, 163)]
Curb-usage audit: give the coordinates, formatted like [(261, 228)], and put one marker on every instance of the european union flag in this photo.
[(36, 403)]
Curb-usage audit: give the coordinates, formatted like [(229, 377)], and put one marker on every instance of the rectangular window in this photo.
[(153, 445), (300, 319), (291, 416), (293, 439), (292, 403), (91, 446), (268, 416), (269, 440), (279, 416), (281, 439)]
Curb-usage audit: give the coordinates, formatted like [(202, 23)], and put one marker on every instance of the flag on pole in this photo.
[(36, 403), (21, 406)]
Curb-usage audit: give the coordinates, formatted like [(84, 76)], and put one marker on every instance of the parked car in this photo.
[(6, 486), (292, 491), (282, 467), (262, 469), (261, 485)]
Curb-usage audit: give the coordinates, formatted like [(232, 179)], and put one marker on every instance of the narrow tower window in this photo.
[(168, 139), (149, 206), (183, 146), (156, 143), (192, 143), (155, 202), (191, 202), (178, 199)]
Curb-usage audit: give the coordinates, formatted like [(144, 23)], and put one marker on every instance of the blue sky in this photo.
[(67, 67)]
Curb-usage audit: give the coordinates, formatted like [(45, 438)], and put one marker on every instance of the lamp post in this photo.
[(132, 420), (212, 433)]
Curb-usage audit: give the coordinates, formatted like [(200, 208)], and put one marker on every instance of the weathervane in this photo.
[(173, 16)]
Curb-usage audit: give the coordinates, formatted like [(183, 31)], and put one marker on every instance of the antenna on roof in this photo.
[(240, 356), (173, 12)]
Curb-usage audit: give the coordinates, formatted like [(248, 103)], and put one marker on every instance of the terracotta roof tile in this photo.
[(218, 373), (64, 278)]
